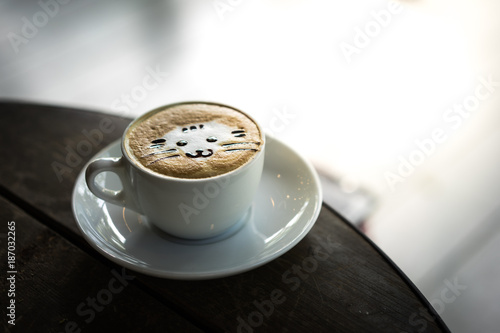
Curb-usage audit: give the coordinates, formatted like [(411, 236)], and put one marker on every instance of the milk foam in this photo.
[(193, 140), (197, 138)]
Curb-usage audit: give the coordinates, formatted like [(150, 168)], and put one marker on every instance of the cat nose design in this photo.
[(199, 153)]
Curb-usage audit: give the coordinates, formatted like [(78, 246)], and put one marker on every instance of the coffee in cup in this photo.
[(191, 169), (193, 140)]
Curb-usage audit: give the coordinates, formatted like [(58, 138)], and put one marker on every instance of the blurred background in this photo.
[(395, 102)]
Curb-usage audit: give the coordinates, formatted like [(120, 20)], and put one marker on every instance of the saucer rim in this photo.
[(111, 254)]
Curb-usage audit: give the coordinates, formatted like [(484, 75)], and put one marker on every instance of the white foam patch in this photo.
[(196, 137)]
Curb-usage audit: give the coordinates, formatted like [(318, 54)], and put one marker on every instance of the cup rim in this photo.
[(239, 169)]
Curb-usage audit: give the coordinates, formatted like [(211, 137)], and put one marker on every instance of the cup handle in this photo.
[(124, 197)]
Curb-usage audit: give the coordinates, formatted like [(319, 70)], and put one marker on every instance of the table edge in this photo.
[(397, 270)]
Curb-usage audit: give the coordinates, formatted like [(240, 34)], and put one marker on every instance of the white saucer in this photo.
[(285, 208)]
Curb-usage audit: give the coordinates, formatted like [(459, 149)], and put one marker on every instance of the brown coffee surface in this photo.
[(193, 140)]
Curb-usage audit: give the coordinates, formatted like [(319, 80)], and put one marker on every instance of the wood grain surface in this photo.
[(61, 288), (334, 280)]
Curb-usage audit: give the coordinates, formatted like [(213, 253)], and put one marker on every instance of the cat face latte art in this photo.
[(191, 169), (193, 140)]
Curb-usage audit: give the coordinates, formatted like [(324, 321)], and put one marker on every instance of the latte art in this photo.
[(193, 140)]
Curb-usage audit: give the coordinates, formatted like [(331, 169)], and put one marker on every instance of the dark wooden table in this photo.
[(60, 284)]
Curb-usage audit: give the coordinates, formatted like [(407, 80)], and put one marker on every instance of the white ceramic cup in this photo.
[(199, 208)]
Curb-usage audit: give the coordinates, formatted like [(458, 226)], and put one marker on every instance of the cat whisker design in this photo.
[(239, 133), (230, 144), (158, 143), (163, 158), (198, 141), (236, 149), (240, 143), (160, 152)]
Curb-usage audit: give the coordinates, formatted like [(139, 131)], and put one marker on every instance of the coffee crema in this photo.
[(193, 140)]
